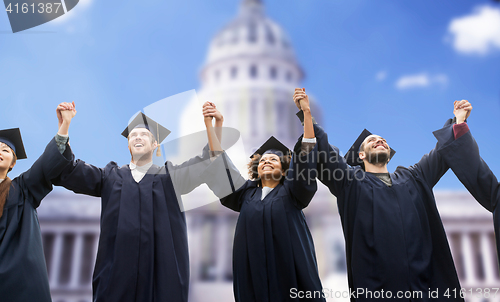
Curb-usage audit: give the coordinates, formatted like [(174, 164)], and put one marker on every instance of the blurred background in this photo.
[(394, 68)]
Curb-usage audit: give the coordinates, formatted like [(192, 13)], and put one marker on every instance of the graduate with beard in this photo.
[(395, 240), (143, 248), (23, 273)]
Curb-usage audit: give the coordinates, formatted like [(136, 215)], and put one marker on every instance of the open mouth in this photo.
[(138, 145), (267, 167)]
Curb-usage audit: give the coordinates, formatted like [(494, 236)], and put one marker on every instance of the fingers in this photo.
[(467, 107), (66, 106), (461, 104), (298, 97), (208, 103), (209, 112)]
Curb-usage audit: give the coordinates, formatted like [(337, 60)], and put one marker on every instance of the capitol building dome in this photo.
[(250, 73), (254, 35)]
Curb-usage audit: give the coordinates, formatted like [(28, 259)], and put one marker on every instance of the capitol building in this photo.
[(250, 72)]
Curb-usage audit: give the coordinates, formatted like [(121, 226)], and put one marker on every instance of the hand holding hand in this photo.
[(301, 99), (65, 112), (210, 111), (462, 110)]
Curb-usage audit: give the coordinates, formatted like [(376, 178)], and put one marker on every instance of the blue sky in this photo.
[(393, 67)]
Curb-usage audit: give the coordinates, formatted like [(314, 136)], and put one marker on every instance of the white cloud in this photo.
[(421, 80), (477, 33), (381, 75)]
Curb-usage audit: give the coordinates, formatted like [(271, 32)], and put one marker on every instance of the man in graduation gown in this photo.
[(462, 155), (23, 273), (143, 249), (396, 246)]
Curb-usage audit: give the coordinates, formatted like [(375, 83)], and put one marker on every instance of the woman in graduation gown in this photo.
[(23, 273), (273, 252)]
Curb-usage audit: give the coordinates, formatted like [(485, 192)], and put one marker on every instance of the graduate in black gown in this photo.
[(462, 155), (143, 248), (23, 273), (395, 240), (273, 252)]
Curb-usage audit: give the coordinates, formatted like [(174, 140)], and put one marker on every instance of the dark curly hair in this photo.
[(253, 166)]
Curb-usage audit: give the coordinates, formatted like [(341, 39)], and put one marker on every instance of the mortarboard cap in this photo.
[(352, 156), (143, 121), (12, 138), (274, 146)]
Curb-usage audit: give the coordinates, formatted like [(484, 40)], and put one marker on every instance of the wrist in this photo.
[(306, 110), (460, 120)]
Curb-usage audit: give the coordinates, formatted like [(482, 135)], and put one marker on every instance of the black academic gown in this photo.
[(273, 252), (143, 249), (395, 240), (23, 273), (462, 155)]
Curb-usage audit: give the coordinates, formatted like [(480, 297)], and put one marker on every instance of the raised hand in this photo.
[(301, 99), (210, 111), (461, 110), (65, 112)]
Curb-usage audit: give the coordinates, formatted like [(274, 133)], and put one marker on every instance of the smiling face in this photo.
[(375, 150), (141, 143), (270, 167), (7, 158)]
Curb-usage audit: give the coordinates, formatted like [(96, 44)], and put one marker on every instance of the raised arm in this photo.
[(187, 176), (222, 177), (301, 177), (39, 178), (463, 157), (433, 166), (214, 134), (332, 169), (77, 176)]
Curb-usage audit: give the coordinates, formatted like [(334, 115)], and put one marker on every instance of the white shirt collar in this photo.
[(1, 181), (265, 191), (143, 168)]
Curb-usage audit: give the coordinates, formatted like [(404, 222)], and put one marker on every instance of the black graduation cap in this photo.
[(274, 146), (12, 138), (143, 121), (352, 156)]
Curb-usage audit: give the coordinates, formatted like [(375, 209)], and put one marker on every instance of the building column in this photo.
[(55, 262), (487, 255), (76, 263), (221, 247), (468, 257)]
